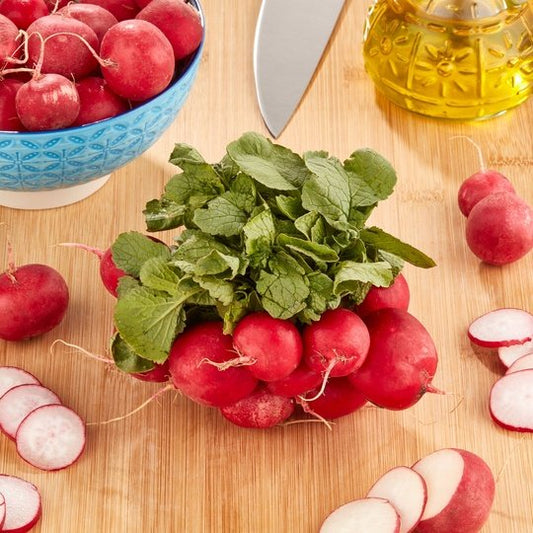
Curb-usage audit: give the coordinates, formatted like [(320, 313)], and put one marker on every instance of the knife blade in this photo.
[(290, 39)]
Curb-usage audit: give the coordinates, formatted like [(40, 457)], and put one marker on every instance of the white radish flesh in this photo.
[(511, 401), (19, 401), (406, 490), (509, 354), (11, 376), (366, 515), (22, 504), (502, 327), (522, 363), (51, 437)]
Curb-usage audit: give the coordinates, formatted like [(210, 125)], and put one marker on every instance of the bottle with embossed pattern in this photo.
[(457, 59)]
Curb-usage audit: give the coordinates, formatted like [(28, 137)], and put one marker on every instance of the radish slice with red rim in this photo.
[(11, 376), (2, 511), (509, 354), (511, 401), (51, 437), (502, 327), (522, 363), (22, 504)]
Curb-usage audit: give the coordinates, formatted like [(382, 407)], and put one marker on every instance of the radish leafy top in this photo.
[(264, 228)]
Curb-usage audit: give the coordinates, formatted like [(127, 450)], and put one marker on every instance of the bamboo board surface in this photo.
[(178, 467)]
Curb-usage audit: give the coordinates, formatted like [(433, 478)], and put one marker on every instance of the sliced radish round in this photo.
[(22, 504), (11, 376), (502, 327), (2, 511), (19, 401), (406, 490), (511, 401), (367, 514), (51, 437), (509, 354), (522, 363)]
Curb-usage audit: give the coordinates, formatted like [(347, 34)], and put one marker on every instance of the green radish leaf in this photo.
[(126, 359), (156, 273), (317, 252), (349, 276), (221, 217)]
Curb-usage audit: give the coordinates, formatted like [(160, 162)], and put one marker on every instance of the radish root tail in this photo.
[(100, 358), (479, 153)]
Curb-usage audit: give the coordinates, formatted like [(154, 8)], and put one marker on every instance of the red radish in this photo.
[(141, 59), (22, 504), (406, 490), (337, 343), (396, 295), (509, 354), (51, 437), (9, 120), (50, 36), (499, 229), (179, 21), (121, 9), (460, 491), (339, 398), (8, 39), (23, 12), (47, 102), (511, 401), (97, 101), (259, 410), (192, 365), (364, 515), (96, 17), (522, 363), (299, 381), (33, 300), (11, 376), (2, 511), (19, 401), (273, 347), (401, 361), (501, 327)]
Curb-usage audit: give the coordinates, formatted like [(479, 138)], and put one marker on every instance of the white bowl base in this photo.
[(53, 198)]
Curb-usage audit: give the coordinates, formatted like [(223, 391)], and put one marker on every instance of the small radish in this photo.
[(460, 491), (33, 300), (396, 295), (366, 515), (11, 376), (509, 354), (299, 381), (499, 229), (401, 362), (406, 490), (511, 401), (19, 401), (8, 40), (337, 343), (522, 363), (9, 120), (22, 504), (121, 9), (23, 12), (51, 437), (501, 327), (259, 410), (193, 365), (96, 17), (273, 347)]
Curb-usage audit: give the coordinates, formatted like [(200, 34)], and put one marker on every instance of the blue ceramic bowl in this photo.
[(46, 169)]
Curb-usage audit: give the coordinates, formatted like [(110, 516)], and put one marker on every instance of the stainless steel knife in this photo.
[(290, 38)]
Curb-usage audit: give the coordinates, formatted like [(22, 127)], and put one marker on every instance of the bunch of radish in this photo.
[(78, 63), (448, 490), (510, 333), (499, 224)]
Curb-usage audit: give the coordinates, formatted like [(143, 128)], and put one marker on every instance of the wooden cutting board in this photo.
[(179, 467)]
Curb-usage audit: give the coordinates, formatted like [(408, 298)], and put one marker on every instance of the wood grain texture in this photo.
[(179, 467)]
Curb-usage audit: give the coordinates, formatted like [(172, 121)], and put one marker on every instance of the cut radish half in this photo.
[(460, 491), (502, 327), (522, 363), (509, 354), (2, 511), (19, 401), (22, 504), (511, 401), (11, 376), (51, 437), (406, 490), (368, 515)]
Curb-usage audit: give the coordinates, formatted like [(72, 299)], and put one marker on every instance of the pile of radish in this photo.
[(69, 64), (448, 490), (499, 224), (510, 332)]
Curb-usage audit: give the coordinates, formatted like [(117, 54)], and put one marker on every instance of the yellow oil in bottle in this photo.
[(457, 59)]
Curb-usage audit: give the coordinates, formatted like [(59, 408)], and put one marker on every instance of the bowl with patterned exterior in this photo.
[(47, 169)]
